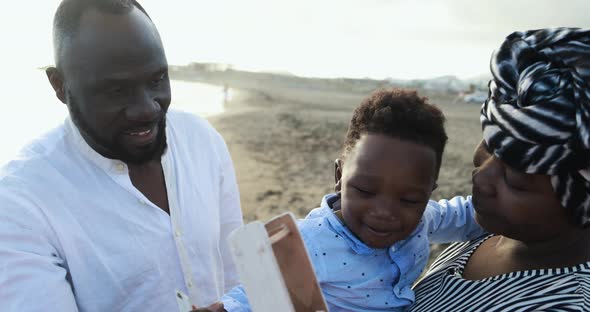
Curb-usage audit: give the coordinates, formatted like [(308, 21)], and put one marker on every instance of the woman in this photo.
[(530, 186)]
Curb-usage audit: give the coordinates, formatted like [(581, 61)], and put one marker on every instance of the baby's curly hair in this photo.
[(401, 114)]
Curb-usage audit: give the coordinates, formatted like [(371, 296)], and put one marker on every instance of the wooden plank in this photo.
[(258, 269), (296, 268)]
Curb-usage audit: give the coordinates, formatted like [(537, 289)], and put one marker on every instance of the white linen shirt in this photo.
[(76, 235)]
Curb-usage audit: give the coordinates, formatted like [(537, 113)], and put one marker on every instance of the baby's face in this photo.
[(386, 183)]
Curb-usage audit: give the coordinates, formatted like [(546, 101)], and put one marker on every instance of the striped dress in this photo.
[(444, 289)]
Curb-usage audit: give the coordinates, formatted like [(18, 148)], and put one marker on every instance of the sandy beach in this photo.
[(284, 142), (285, 136)]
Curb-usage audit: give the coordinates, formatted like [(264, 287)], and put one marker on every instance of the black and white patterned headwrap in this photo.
[(537, 115)]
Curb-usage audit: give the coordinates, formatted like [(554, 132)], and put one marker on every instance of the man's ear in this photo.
[(338, 174), (57, 83)]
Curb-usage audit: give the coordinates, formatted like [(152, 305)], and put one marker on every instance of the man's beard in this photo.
[(113, 148)]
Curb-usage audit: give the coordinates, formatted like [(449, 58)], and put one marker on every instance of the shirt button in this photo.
[(141, 201), (120, 167), (190, 284), (177, 233)]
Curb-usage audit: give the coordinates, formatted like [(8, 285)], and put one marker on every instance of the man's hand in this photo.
[(216, 307)]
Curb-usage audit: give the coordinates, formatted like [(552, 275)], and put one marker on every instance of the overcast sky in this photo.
[(330, 38)]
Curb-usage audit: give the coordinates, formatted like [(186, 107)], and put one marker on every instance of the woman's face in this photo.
[(515, 204)]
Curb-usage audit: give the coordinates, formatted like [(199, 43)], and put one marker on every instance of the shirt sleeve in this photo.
[(236, 300), (452, 220), (33, 276), (230, 212), (309, 234)]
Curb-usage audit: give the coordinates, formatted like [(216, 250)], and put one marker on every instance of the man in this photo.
[(124, 204)]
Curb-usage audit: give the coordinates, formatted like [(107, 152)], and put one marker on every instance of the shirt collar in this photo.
[(107, 164), (339, 227), (110, 165)]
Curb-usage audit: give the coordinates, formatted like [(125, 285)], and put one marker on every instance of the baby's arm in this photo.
[(236, 300), (451, 220)]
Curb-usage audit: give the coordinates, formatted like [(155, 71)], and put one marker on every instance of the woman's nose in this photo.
[(485, 177)]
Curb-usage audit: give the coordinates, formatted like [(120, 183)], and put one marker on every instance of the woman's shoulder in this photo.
[(582, 273), (444, 288), (456, 255)]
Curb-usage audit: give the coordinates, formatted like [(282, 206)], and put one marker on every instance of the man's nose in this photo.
[(144, 108)]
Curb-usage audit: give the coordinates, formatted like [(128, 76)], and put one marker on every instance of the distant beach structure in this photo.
[(225, 93), (476, 97)]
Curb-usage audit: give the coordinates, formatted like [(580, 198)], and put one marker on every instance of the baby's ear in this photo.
[(337, 175)]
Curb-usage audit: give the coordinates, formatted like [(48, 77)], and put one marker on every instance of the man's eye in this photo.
[(158, 80)]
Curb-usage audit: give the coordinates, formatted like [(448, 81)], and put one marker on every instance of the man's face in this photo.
[(386, 183), (116, 85)]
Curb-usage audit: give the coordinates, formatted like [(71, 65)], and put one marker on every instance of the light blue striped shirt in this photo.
[(356, 277)]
